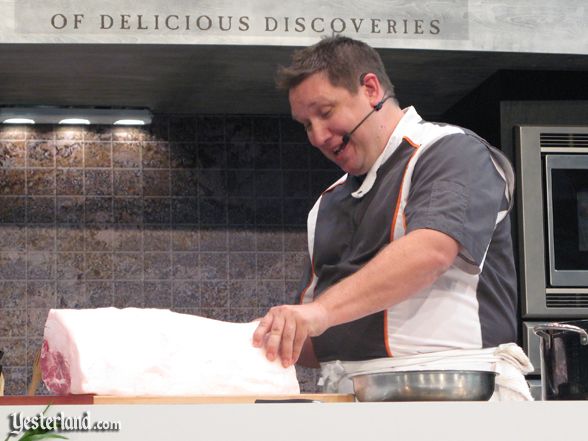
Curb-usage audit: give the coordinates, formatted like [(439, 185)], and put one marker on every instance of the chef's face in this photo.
[(327, 113)]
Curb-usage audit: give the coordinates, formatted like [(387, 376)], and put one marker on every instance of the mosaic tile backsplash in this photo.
[(199, 214)]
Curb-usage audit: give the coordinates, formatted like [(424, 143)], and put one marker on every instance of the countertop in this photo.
[(425, 421), (17, 400)]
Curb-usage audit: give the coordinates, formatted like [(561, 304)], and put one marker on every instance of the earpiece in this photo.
[(381, 103)]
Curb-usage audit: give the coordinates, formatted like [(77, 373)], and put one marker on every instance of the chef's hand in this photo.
[(284, 329)]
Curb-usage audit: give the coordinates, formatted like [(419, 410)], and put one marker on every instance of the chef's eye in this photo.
[(325, 113)]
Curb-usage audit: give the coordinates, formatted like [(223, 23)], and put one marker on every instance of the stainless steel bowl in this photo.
[(432, 385)]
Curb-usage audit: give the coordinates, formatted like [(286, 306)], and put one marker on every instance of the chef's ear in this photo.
[(371, 87)]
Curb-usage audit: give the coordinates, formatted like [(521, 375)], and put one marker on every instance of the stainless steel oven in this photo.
[(552, 210), (567, 219), (552, 201)]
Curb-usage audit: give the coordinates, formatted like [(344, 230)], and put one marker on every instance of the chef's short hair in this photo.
[(343, 59)]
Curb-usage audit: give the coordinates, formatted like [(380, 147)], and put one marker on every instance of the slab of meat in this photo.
[(132, 351)]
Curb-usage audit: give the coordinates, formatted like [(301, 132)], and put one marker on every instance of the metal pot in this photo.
[(564, 360), (431, 385)]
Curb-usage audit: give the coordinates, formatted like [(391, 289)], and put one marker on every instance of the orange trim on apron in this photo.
[(312, 277), (386, 342), (411, 142), (392, 228)]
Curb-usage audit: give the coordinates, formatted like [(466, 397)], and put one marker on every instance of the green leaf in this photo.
[(36, 431), (41, 436)]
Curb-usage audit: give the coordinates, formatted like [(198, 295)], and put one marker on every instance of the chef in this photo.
[(410, 256)]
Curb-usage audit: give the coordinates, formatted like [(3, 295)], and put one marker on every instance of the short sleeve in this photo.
[(456, 189)]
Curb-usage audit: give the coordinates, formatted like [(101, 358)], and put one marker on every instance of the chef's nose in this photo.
[(319, 135)]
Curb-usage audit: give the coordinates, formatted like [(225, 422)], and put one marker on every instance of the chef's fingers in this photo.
[(287, 343), (274, 338), (301, 335), (265, 324)]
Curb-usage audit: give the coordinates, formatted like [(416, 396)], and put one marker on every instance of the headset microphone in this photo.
[(347, 136)]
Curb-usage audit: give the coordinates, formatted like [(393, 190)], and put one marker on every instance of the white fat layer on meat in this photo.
[(135, 351)]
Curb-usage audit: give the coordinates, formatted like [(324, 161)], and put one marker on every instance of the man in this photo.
[(410, 255)]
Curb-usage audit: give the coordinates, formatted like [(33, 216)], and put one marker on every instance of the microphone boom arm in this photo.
[(347, 136)]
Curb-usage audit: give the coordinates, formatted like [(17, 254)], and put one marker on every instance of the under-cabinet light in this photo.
[(129, 122), (74, 115), (78, 121), (18, 121)]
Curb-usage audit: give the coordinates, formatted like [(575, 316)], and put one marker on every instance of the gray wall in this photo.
[(199, 214)]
